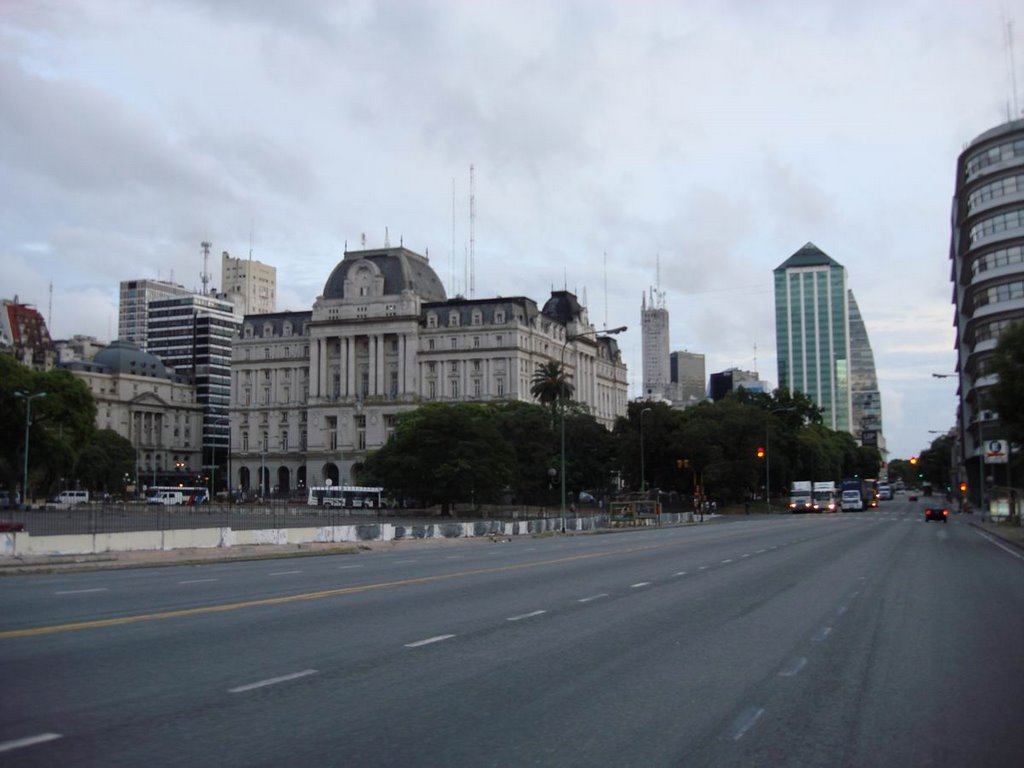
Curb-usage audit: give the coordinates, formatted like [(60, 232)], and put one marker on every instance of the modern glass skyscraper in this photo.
[(812, 333), (864, 394)]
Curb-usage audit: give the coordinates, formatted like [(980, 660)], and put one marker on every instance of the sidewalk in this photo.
[(1011, 534), (10, 566)]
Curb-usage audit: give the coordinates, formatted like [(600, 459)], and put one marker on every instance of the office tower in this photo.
[(249, 285), (657, 382), (192, 336), (133, 309), (687, 373), (812, 333), (865, 398)]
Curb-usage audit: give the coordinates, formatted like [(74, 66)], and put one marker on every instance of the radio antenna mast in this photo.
[(205, 275), (472, 235)]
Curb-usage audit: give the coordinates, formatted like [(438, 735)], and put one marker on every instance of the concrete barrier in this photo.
[(21, 543)]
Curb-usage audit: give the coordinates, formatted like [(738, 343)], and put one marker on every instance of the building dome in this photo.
[(125, 358), (400, 268), (563, 307)]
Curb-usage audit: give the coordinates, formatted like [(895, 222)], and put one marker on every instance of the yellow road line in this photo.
[(159, 616)]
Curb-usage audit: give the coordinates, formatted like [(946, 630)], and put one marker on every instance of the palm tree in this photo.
[(551, 385)]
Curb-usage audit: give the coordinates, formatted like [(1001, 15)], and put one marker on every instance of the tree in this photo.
[(550, 385), (443, 454), (105, 461), (1007, 395)]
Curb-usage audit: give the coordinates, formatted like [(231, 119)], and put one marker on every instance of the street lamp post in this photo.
[(28, 428), (768, 454), (643, 475), (561, 398)]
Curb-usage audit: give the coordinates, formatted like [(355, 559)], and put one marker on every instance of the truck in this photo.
[(825, 497), (800, 499), (854, 494)]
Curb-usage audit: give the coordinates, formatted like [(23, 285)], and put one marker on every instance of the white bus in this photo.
[(170, 495), (347, 496)]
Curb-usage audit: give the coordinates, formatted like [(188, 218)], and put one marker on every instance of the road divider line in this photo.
[(727, 561), (680, 573), (794, 667), (745, 722), (640, 584), (821, 635), (197, 581), (999, 544), (525, 616), (429, 641), (283, 573), (78, 626), (82, 591), (28, 741), (272, 681), (592, 598)]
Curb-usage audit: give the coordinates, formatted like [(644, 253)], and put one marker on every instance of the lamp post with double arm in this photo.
[(28, 398)]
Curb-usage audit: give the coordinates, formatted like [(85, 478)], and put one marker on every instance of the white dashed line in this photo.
[(640, 584), (680, 573), (397, 562), (197, 581), (702, 568), (82, 591), (348, 567), (429, 640), (283, 573), (28, 741), (793, 667), (525, 616), (821, 634), (592, 597), (272, 681), (761, 551), (745, 722), (746, 555), (726, 561)]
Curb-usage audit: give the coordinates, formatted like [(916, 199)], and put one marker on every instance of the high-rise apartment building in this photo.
[(812, 333), (657, 381), (248, 284), (133, 309), (987, 255), (192, 336)]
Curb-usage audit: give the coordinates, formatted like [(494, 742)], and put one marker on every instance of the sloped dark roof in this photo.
[(122, 356), (402, 270), (563, 307), (808, 256)]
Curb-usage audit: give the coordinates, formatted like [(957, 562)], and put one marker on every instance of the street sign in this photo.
[(997, 452)]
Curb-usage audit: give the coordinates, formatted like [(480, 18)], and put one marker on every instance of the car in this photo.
[(912, 497), (936, 513), (884, 493)]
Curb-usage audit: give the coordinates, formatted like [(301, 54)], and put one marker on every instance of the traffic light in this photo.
[(679, 463), (760, 452), (913, 459), (963, 487)]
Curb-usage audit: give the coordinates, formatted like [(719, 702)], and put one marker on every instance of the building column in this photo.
[(350, 366)]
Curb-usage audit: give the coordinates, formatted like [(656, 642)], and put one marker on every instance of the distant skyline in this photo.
[(616, 146)]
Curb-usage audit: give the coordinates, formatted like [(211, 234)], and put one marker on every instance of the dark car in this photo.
[(936, 513)]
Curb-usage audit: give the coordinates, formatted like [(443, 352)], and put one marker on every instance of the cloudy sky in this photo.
[(617, 146)]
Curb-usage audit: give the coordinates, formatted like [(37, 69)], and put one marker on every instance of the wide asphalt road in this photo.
[(864, 639)]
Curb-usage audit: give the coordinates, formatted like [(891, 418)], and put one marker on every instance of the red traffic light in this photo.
[(913, 459), (760, 452), (963, 487)]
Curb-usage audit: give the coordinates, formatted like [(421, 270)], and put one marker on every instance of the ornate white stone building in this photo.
[(312, 392)]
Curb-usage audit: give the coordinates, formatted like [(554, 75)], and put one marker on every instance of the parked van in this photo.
[(165, 498), (72, 497)]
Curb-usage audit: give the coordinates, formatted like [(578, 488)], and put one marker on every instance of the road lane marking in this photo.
[(525, 616), (821, 634), (680, 573), (304, 596), (592, 597), (726, 561), (761, 551), (283, 573), (745, 722), (272, 681), (793, 667), (999, 544), (429, 641), (197, 581), (702, 568), (28, 741), (640, 584), (350, 567), (397, 562), (746, 555), (82, 591)]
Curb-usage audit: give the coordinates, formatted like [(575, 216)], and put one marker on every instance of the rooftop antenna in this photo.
[(252, 235), (452, 284), (49, 312), (472, 235), (755, 357), (387, 240), (606, 289), (363, 239), (1013, 71), (204, 276)]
